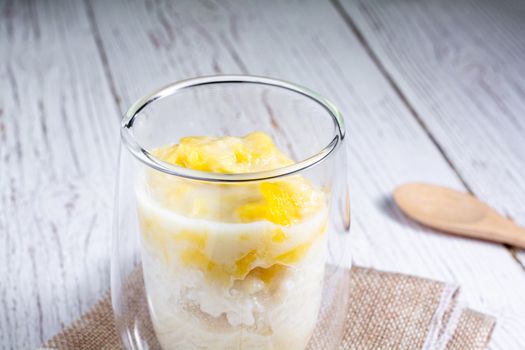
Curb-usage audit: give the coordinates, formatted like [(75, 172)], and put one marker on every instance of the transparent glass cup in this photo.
[(187, 273)]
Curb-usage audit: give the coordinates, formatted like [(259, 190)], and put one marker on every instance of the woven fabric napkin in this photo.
[(387, 311)]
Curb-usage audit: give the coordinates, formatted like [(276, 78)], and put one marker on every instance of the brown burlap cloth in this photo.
[(386, 311)]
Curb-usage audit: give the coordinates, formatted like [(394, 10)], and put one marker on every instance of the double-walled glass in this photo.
[(187, 273)]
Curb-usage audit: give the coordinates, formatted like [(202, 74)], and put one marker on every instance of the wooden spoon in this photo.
[(458, 213)]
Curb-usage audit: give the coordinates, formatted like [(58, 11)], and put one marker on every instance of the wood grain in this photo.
[(307, 42), (58, 138), (461, 66)]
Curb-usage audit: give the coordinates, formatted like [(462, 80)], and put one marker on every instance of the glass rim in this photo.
[(143, 155)]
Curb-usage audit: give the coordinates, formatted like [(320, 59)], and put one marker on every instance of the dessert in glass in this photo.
[(231, 230)]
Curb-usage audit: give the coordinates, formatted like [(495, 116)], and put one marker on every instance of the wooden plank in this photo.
[(58, 139), (461, 66), (307, 42)]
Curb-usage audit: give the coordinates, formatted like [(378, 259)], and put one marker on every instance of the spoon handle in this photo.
[(507, 233), (510, 233), (493, 227)]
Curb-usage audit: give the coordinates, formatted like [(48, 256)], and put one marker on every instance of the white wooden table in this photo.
[(432, 91)]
